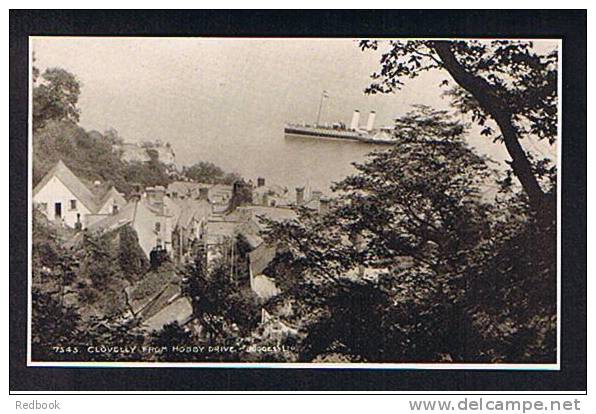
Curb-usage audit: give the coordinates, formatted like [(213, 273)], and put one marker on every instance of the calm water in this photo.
[(288, 160), (316, 162), (226, 100)]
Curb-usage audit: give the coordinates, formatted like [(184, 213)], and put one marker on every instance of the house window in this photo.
[(157, 226), (73, 204), (114, 209)]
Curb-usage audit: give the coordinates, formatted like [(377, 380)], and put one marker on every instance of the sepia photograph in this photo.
[(321, 202)]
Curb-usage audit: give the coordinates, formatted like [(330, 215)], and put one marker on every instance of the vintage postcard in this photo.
[(292, 202)]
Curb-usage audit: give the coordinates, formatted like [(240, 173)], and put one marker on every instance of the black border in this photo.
[(570, 25)]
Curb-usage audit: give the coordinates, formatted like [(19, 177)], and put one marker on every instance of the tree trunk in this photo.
[(494, 106)]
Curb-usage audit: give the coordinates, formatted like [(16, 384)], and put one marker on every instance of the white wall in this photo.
[(56, 192), (144, 225), (108, 206)]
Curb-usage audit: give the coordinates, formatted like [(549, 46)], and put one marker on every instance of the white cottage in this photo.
[(152, 215), (64, 198)]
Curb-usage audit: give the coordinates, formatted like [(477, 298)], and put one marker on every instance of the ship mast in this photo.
[(323, 96)]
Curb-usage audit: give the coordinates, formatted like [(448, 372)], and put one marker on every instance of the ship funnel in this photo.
[(355, 120), (371, 121)]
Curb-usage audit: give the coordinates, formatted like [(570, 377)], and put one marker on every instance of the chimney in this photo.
[(160, 193), (150, 193), (260, 182), (204, 193), (323, 205), (355, 120), (241, 195), (155, 195), (299, 195), (371, 121), (316, 195), (136, 192)]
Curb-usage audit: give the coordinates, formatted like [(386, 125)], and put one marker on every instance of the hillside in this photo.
[(93, 156)]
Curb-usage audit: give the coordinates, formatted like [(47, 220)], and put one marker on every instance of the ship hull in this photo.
[(324, 133)]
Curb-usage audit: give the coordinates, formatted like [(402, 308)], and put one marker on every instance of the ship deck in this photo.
[(335, 134)]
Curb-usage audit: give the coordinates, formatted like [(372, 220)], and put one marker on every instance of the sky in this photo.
[(226, 100)]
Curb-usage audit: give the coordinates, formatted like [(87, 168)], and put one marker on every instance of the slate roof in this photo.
[(272, 213), (190, 209), (72, 182), (178, 309), (218, 230), (93, 200), (261, 257), (124, 216), (184, 188), (274, 189), (221, 190), (251, 232), (118, 197)]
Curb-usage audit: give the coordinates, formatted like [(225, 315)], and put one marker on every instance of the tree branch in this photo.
[(493, 105)]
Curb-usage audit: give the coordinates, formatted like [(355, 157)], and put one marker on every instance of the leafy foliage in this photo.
[(132, 259), (220, 303), (52, 265), (169, 336), (97, 261), (505, 85), (512, 70), (52, 324), (55, 97), (90, 155), (416, 263), (207, 172)]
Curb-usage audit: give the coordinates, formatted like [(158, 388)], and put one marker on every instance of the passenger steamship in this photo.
[(339, 130)]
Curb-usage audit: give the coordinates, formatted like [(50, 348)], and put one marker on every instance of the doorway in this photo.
[(58, 210)]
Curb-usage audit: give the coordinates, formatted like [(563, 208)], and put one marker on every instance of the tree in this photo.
[(101, 280), (148, 174), (48, 256), (55, 97), (169, 336), (207, 172), (113, 137), (126, 336), (446, 269), (97, 259), (503, 81), (91, 155), (131, 257), (220, 303), (52, 325)]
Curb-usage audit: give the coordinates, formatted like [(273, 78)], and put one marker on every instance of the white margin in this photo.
[(559, 190), (29, 195)]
